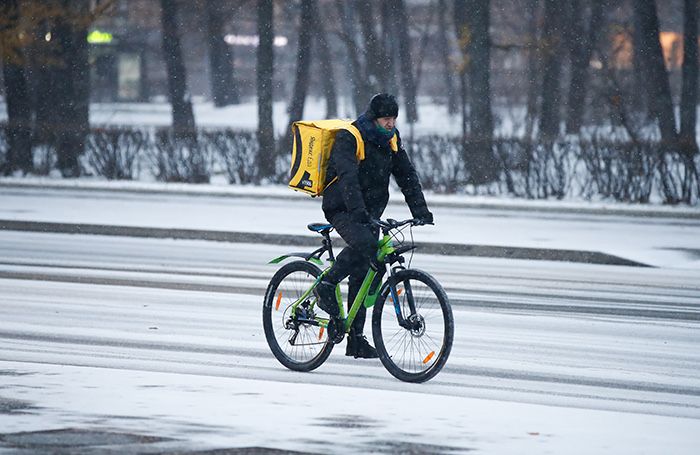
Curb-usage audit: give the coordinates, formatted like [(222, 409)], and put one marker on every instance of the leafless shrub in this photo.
[(679, 177), (238, 152), (595, 168), (623, 171), (113, 152), (439, 162), (181, 159)]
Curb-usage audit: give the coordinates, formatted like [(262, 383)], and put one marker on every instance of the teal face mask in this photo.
[(388, 133)]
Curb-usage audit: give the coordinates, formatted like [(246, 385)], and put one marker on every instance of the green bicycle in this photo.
[(412, 323)]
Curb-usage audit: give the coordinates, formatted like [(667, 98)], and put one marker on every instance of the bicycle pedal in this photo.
[(336, 330)]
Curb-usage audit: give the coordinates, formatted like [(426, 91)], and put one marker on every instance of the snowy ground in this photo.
[(232, 412), (658, 236), (155, 345), (142, 345), (433, 118)]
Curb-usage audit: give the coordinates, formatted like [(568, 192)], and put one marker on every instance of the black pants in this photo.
[(353, 261)]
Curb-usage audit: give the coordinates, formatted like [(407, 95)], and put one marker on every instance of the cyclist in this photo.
[(360, 195)]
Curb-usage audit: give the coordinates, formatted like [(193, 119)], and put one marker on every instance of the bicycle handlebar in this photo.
[(393, 224)]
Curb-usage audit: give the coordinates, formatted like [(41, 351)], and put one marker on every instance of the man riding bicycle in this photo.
[(359, 196)]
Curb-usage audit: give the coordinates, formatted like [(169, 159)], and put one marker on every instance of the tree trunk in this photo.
[(301, 82), (485, 166), (326, 64), (377, 62), (463, 34), (361, 91), (534, 65), (19, 109), (551, 90), (265, 64), (448, 65), (63, 84), (656, 82), (391, 29), (223, 87), (689, 90), (408, 83), (304, 53), (581, 52), (183, 117), (641, 72), (72, 144)]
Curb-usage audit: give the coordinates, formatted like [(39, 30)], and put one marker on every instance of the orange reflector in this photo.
[(430, 356), (279, 299), (398, 292), (320, 333)]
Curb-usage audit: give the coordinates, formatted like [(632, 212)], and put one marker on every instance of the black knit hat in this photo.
[(383, 105)]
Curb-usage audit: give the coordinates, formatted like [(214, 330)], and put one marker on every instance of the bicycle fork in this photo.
[(395, 296)]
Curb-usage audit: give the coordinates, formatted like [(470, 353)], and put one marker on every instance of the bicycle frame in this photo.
[(367, 295), (413, 352)]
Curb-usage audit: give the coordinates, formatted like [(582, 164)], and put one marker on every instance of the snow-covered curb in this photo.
[(282, 192)]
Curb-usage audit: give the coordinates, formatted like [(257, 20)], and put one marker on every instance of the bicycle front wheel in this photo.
[(298, 344), (417, 351)]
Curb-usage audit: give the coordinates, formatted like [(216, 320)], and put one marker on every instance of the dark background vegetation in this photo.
[(555, 98)]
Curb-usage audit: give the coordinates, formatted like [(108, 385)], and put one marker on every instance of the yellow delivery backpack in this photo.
[(313, 141)]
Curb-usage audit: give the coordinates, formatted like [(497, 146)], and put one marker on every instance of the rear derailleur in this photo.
[(303, 314)]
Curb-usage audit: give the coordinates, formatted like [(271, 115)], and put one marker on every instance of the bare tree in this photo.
[(551, 78), (533, 45), (223, 86), (307, 14), (361, 90), (377, 61), (463, 34), (408, 83), (61, 81), (656, 81), (304, 53), (581, 45), (390, 30), (689, 90), (265, 65), (447, 63), (183, 117), (19, 109), (327, 63), (484, 166)]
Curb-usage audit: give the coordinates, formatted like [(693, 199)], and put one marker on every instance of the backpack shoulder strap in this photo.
[(360, 152), (394, 143)]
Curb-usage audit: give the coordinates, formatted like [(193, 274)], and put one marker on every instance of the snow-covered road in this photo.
[(164, 337), (657, 236)]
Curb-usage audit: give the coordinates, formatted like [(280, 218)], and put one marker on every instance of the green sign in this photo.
[(99, 37)]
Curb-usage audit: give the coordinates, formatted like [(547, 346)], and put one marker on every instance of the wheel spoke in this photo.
[(418, 352), (310, 347)]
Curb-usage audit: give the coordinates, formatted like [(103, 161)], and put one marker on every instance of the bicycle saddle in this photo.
[(320, 227)]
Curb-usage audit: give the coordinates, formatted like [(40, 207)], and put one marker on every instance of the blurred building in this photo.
[(126, 50), (127, 64)]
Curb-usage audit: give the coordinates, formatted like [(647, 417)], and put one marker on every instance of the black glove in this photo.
[(360, 216), (425, 217)]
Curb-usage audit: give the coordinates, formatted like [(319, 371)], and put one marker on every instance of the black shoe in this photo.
[(336, 330), (359, 347), (326, 298)]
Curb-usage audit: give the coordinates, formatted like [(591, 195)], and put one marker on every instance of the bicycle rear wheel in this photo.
[(417, 352), (300, 346)]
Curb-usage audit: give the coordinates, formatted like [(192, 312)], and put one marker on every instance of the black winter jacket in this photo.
[(364, 186)]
